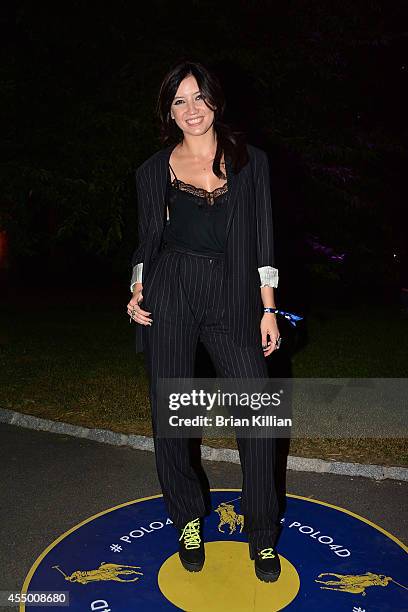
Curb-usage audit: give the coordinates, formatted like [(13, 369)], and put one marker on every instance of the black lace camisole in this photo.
[(197, 218)]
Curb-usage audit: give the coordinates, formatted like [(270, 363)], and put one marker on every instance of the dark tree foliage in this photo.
[(317, 84)]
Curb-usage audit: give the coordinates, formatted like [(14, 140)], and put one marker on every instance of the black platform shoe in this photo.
[(191, 549), (267, 564)]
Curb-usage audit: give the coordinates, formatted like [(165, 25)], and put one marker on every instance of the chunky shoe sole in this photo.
[(192, 567), (266, 576)]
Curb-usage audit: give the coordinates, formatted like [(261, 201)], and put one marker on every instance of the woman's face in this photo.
[(189, 110)]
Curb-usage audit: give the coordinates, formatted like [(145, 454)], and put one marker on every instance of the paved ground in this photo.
[(51, 482)]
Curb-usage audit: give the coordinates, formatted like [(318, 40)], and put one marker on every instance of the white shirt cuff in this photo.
[(269, 276), (136, 275)]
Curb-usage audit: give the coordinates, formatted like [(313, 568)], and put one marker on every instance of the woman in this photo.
[(206, 265)]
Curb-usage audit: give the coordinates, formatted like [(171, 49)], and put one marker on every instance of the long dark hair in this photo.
[(231, 143)]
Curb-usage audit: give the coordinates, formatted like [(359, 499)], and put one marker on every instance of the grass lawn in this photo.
[(70, 357)]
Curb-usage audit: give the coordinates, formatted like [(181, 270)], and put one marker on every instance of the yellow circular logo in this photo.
[(226, 582)]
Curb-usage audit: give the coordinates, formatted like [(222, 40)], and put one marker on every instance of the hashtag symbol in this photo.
[(116, 548)]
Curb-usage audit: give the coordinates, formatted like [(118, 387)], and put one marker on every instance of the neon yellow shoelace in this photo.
[(267, 553), (191, 534)]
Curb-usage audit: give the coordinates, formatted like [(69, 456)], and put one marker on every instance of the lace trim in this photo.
[(210, 196)]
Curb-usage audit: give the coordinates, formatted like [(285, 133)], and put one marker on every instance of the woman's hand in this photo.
[(269, 327), (134, 311)]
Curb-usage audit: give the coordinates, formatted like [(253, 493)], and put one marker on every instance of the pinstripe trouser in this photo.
[(184, 293)]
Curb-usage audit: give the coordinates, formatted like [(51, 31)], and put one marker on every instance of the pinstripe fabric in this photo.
[(249, 243), (186, 296)]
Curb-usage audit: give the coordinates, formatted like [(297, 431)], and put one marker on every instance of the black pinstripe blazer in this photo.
[(249, 243)]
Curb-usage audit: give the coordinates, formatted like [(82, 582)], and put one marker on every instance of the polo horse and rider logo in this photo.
[(347, 583), (229, 517), (106, 571)]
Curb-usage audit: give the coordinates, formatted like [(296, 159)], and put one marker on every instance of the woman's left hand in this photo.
[(269, 327)]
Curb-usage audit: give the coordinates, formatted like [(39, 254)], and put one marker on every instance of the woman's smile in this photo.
[(194, 121)]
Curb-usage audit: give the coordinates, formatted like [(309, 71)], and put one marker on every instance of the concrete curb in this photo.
[(301, 464)]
